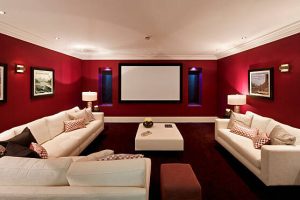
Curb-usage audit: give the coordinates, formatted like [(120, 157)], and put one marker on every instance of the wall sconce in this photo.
[(284, 68), (20, 69)]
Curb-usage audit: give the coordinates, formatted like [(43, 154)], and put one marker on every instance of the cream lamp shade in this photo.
[(89, 97), (237, 100)]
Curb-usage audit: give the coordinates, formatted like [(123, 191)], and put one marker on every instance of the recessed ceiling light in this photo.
[(2, 12), (244, 37), (148, 37), (57, 38)]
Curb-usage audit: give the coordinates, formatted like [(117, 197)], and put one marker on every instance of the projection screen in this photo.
[(149, 83)]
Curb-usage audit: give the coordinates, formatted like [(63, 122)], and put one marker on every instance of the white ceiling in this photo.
[(179, 29)]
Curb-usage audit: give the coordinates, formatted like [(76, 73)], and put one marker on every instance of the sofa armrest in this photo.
[(280, 164), (99, 115), (221, 123)]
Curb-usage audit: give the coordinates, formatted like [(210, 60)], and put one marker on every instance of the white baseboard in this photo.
[(161, 119)]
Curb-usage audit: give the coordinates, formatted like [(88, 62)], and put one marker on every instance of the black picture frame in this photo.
[(261, 83), (3, 83), (145, 65), (42, 82)]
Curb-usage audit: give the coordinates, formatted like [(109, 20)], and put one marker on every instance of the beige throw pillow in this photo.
[(241, 119), (79, 115), (89, 114), (279, 136)]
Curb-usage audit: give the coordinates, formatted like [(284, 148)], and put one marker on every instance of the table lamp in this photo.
[(89, 97), (237, 100)]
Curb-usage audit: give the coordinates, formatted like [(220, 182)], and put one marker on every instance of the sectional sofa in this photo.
[(64, 179), (272, 164), (49, 132), (65, 175)]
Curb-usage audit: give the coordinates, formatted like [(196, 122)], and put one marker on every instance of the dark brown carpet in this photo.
[(221, 176)]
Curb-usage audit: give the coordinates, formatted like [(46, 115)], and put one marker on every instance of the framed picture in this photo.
[(261, 83), (3, 82), (42, 82)]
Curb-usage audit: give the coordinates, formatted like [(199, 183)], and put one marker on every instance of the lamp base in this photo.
[(89, 104), (236, 109)]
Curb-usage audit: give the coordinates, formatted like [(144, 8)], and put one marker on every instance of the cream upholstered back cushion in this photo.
[(56, 123), (6, 135), (241, 119), (81, 114), (18, 171), (259, 122), (39, 130), (129, 173)]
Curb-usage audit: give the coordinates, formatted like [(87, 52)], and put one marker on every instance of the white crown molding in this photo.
[(27, 36), (283, 32), (149, 57), (161, 119)]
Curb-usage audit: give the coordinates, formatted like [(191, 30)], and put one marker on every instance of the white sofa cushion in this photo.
[(6, 135), (108, 173), (72, 193), (31, 171), (61, 145), (39, 130), (241, 119), (243, 145), (259, 122), (56, 123)]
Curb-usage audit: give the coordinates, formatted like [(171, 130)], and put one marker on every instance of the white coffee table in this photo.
[(161, 139)]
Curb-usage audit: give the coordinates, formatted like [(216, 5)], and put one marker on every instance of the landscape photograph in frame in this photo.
[(261, 83), (42, 82), (3, 82)]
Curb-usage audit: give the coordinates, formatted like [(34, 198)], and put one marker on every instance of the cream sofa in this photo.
[(273, 164), (49, 132), (63, 179)]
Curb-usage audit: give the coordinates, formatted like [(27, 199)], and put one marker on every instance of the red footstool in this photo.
[(178, 182)]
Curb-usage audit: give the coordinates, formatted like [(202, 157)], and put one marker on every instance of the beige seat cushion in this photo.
[(16, 171), (243, 145), (61, 145), (108, 173)]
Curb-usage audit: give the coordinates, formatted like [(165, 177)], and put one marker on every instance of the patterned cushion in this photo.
[(71, 125), (259, 140), (89, 114), (2, 150), (39, 150), (241, 119), (122, 157), (243, 131)]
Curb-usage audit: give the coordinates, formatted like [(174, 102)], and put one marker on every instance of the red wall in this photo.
[(209, 94), (20, 107), (233, 78)]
